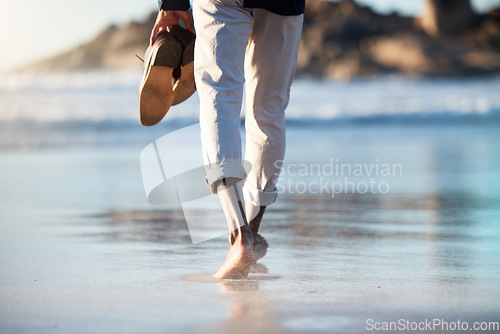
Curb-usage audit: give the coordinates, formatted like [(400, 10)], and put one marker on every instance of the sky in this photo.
[(34, 30)]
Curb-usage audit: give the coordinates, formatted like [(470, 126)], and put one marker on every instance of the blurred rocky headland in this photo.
[(341, 40)]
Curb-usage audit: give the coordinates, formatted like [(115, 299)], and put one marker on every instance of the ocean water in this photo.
[(389, 209)]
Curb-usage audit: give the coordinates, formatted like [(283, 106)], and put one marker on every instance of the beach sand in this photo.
[(82, 251)]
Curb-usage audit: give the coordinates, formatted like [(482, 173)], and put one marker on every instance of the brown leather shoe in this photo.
[(185, 86), (156, 94)]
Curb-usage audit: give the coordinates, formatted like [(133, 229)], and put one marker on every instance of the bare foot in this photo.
[(238, 261), (259, 247)]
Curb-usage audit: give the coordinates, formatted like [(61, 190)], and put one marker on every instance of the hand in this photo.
[(166, 19)]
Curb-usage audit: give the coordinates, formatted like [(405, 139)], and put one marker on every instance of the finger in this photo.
[(153, 35), (188, 22)]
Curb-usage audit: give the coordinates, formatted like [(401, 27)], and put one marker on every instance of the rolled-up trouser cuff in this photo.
[(259, 197), (219, 172)]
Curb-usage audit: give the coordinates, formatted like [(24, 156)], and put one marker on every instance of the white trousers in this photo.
[(236, 46)]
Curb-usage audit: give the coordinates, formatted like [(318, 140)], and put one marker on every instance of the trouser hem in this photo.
[(259, 197)]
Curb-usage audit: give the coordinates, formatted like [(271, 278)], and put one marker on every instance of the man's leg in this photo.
[(269, 70), (240, 256), (223, 29)]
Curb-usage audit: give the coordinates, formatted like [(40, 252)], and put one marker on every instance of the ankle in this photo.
[(241, 235), (256, 218), (246, 233)]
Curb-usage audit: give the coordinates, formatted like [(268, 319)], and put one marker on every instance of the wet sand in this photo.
[(81, 251)]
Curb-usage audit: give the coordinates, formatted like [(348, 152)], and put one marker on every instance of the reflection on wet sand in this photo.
[(154, 226), (251, 310), (248, 308), (444, 232), (357, 252)]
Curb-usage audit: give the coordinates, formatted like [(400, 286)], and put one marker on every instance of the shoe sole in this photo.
[(185, 86), (156, 92)]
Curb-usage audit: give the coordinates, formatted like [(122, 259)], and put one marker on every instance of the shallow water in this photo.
[(81, 250)]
